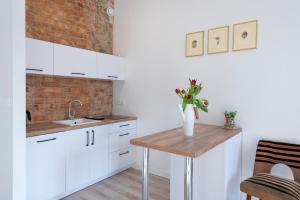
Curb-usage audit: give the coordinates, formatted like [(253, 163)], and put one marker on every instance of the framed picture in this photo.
[(194, 44), (218, 40), (245, 36)]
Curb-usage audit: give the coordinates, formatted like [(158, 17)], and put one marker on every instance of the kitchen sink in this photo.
[(76, 122)]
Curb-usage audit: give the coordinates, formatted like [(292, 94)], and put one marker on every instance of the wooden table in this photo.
[(174, 141)]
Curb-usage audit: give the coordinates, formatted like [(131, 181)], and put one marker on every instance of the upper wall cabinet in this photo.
[(70, 61), (39, 57), (111, 67), (60, 60)]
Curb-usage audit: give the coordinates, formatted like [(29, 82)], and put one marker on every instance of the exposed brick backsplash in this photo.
[(77, 23), (48, 97)]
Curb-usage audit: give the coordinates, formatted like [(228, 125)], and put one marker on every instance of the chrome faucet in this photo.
[(70, 107)]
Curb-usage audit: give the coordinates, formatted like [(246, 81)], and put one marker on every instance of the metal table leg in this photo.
[(188, 178), (146, 174)]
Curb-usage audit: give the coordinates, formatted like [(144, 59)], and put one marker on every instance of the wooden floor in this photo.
[(124, 186)]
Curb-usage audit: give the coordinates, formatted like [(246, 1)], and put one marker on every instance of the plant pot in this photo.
[(188, 117), (229, 123)]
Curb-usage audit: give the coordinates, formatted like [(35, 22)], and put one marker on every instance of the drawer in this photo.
[(122, 158), (45, 139), (121, 140), (121, 126)]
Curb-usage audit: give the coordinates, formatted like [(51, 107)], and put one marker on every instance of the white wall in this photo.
[(262, 85), (12, 100)]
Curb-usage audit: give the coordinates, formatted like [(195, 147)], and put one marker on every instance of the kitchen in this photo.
[(73, 140), (136, 99)]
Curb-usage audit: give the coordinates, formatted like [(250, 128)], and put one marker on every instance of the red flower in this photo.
[(205, 103), (193, 82), (177, 91), (183, 91), (189, 96)]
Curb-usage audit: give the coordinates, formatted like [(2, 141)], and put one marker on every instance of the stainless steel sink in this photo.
[(76, 122)]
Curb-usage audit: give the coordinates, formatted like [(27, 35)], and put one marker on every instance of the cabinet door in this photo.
[(39, 57), (77, 159), (99, 153), (75, 62), (45, 167), (111, 67)]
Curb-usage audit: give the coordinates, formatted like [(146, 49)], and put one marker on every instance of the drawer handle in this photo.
[(47, 140), (124, 134), (36, 70), (87, 138), (112, 76), (124, 125), (77, 73), (121, 154)]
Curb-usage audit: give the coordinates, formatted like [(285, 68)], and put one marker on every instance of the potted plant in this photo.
[(190, 105), (230, 120)]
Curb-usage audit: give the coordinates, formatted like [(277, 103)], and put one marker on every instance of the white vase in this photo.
[(188, 117)]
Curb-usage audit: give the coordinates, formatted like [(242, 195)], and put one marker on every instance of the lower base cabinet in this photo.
[(60, 164), (45, 167), (99, 153), (77, 159), (87, 156)]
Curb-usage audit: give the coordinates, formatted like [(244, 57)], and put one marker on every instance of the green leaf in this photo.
[(184, 103), (200, 105)]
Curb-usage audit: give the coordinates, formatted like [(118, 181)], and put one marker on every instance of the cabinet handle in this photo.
[(37, 70), (93, 136), (87, 138), (112, 76), (124, 125), (124, 134), (47, 140), (77, 73), (121, 154)]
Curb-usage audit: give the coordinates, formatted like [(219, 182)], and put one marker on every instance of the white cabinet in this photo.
[(75, 62), (122, 153), (45, 167), (62, 163), (77, 159), (121, 140), (39, 57), (111, 67), (122, 159), (122, 126), (99, 153), (61, 60), (87, 156)]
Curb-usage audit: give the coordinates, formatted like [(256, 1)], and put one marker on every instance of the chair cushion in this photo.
[(269, 187)]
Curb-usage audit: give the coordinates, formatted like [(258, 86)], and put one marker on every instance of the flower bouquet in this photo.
[(190, 105)]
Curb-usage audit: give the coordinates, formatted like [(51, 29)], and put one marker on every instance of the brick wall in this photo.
[(77, 23), (48, 97)]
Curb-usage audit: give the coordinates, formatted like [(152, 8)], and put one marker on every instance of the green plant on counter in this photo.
[(230, 119), (230, 114)]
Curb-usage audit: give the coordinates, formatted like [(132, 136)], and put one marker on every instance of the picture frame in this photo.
[(218, 40), (194, 44), (245, 35)]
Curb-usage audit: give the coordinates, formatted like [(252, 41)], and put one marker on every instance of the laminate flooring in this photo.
[(126, 185)]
